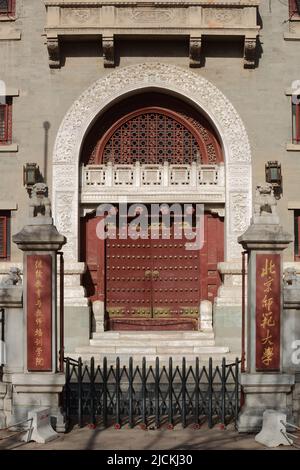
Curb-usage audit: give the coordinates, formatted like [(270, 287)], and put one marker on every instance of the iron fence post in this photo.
[(118, 420), (79, 379), (93, 391), (210, 392), (156, 393), (183, 394), (223, 390), (144, 391), (197, 385), (104, 395), (67, 391), (130, 394), (236, 408), (170, 410)]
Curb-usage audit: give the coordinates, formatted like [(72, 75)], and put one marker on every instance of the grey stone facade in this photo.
[(42, 96)]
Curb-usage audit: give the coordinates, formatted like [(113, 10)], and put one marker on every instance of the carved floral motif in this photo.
[(239, 212), (156, 15), (223, 15)]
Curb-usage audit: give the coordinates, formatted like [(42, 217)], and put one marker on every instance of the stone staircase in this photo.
[(162, 344)]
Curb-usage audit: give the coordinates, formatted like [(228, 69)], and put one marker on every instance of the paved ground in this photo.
[(136, 439)]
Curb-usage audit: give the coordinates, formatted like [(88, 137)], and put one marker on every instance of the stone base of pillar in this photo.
[(262, 392), (5, 404), (230, 292), (38, 390), (206, 316), (99, 316)]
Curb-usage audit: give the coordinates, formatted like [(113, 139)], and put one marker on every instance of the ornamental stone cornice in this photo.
[(110, 19)]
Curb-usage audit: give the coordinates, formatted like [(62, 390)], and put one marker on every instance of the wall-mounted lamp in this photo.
[(274, 177), (31, 174)]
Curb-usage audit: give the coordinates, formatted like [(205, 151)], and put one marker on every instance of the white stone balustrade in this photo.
[(98, 181)]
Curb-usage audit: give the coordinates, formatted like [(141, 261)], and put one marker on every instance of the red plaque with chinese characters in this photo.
[(268, 307), (39, 313)]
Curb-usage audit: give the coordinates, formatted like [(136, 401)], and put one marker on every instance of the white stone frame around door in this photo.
[(169, 79)]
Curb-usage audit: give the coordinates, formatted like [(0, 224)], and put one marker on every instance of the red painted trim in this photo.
[(293, 10), (10, 10), (7, 122), (39, 313), (3, 228), (151, 109), (101, 258), (268, 308)]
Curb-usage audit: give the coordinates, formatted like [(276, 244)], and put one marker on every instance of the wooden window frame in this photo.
[(7, 138), (5, 251), (297, 234), (11, 9), (294, 9)]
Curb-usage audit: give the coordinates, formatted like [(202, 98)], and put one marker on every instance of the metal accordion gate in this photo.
[(151, 395)]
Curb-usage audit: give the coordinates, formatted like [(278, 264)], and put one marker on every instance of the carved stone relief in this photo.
[(223, 16), (152, 15)]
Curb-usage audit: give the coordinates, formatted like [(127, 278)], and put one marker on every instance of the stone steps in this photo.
[(152, 344), (154, 350), (111, 335)]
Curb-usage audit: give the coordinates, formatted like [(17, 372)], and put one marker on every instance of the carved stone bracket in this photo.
[(108, 48), (195, 51), (54, 52), (250, 53), (82, 19)]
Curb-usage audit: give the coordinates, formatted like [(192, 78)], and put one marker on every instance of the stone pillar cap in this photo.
[(44, 237)]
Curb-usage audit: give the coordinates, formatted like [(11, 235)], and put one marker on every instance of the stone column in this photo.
[(264, 383), (291, 333), (40, 382), (12, 358)]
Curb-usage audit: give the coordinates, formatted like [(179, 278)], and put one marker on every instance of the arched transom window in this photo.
[(155, 135)]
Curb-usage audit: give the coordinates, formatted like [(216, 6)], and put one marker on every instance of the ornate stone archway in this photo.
[(170, 79)]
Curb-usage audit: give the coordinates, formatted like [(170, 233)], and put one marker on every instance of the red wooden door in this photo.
[(128, 281), (175, 281), (210, 255), (152, 283)]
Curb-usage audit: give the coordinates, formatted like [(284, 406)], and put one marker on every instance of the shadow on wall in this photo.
[(157, 48), (76, 49), (222, 48)]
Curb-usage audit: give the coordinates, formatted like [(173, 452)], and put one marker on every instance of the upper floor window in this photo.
[(4, 235), (294, 8), (6, 121), (7, 7)]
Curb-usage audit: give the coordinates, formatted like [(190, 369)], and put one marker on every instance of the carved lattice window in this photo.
[(155, 136)]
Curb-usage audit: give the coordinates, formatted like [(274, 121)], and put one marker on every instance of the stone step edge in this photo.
[(153, 343), (157, 334), (154, 351)]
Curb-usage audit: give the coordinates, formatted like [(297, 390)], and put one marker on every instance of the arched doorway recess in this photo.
[(173, 81)]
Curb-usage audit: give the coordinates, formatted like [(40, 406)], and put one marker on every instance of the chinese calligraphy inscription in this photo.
[(39, 313), (268, 298)]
